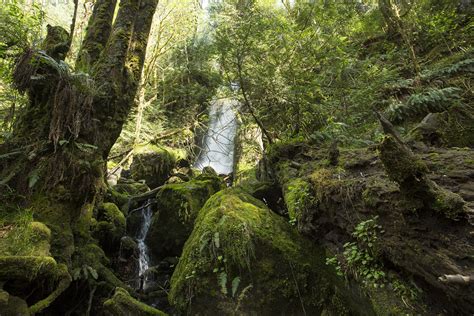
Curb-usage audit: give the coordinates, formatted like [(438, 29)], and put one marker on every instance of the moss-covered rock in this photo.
[(244, 259), (12, 306), (153, 166), (110, 226), (178, 205), (122, 304)]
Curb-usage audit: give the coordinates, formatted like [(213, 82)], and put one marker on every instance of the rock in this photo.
[(153, 167), (12, 306), (177, 208), (209, 171), (120, 193), (244, 259), (128, 248), (110, 227), (122, 304)]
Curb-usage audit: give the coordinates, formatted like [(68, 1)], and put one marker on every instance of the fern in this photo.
[(462, 67), (433, 100)]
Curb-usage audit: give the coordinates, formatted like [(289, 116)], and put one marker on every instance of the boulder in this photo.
[(109, 227), (154, 167), (177, 207), (244, 259)]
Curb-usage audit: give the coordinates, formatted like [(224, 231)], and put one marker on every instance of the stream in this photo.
[(146, 214), (217, 152)]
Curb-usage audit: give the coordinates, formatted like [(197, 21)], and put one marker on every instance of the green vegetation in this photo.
[(352, 186)]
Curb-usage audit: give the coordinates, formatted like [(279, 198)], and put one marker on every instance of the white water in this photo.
[(144, 257), (218, 145)]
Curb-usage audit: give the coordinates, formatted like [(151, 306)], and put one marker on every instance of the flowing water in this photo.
[(218, 144), (144, 257)]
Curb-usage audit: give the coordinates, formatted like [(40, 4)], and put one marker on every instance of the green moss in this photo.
[(298, 197), (153, 166), (242, 258), (401, 165), (12, 305), (122, 304), (110, 226), (178, 206), (26, 238)]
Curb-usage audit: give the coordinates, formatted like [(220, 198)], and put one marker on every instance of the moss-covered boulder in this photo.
[(12, 306), (120, 194), (110, 226), (178, 206), (122, 304), (244, 259), (153, 166)]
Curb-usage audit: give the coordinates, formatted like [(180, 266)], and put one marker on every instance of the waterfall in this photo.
[(218, 144), (144, 257)]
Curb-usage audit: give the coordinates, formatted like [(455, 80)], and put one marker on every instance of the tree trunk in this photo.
[(56, 157)]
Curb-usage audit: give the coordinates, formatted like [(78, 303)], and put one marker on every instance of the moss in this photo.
[(153, 166), (122, 304), (239, 243), (410, 172), (58, 217), (401, 165), (26, 267), (26, 239), (178, 205), (110, 226), (298, 197), (12, 306)]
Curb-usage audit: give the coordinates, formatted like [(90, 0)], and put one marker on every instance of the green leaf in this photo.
[(223, 282), (33, 178), (235, 285)]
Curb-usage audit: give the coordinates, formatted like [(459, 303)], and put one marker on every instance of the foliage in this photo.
[(360, 258), (19, 30), (431, 101)]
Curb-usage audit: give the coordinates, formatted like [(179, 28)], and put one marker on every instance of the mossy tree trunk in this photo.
[(56, 159)]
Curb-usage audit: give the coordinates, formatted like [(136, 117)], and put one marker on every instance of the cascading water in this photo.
[(218, 145), (144, 257)]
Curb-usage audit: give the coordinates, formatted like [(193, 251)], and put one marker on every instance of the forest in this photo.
[(236, 157)]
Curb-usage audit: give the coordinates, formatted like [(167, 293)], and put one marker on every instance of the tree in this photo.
[(56, 156)]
